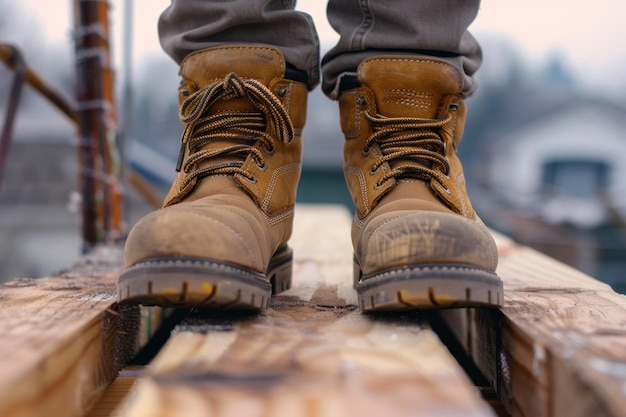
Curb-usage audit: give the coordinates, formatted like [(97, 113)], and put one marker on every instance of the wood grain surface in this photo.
[(63, 339), (557, 347)]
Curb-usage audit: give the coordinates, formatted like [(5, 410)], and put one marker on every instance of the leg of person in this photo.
[(400, 73), (221, 237)]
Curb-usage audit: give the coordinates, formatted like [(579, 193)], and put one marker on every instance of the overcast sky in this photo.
[(589, 35)]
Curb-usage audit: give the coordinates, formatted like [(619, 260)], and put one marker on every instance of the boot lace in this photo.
[(415, 144), (240, 131)]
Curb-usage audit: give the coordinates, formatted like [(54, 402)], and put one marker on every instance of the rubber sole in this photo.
[(428, 287), (191, 282)]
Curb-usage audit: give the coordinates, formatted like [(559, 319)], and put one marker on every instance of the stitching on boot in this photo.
[(272, 221), (287, 101), (285, 169), (415, 98), (459, 181), (427, 61), (363, 185), (357, 116)]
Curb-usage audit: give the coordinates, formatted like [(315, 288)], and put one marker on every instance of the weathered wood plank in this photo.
[(62, 338), (115, 399), (557, 347), (311, 354)]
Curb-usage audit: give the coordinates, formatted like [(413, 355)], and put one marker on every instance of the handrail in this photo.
[(9, 54), (14, 60)]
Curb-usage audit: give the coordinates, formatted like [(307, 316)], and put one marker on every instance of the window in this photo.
[(576, 177)]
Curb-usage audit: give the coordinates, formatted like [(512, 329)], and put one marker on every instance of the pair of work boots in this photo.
[(221, 237)]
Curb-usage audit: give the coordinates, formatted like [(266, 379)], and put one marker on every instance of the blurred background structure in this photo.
[(543, 151)]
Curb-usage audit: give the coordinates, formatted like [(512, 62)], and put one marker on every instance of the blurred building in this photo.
[(554, 178)]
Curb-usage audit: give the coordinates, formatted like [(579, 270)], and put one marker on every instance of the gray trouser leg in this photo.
[(421, 27), (366, 28), (190, 25)]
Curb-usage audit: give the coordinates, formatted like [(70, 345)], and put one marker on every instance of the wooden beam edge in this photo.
[(64, 339), (557, 347)]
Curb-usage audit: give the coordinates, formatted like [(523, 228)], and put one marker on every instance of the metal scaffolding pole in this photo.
[(99, 156)]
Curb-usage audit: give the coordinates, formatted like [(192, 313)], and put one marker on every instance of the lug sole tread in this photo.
[(429, 287)]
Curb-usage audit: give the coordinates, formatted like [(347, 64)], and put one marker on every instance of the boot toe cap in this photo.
[(425, 237), (192, 233)]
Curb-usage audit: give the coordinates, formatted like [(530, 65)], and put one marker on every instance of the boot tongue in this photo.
[(409, 86), (210, 65)]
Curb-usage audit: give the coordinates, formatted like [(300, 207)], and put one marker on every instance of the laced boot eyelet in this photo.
[(269, 151), (453, 106), (365, 151), (361, 101), (445, 173), (374, 171), (251, 179), (261, 167), (281, 92), (379, 185)]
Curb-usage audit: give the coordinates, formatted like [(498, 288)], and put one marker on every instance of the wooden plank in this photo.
[(557, 347), (115, 399), (312, 353), (62, 338)]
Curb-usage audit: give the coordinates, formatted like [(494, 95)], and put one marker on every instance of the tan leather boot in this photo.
[(221, 237), (417, 241)]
